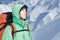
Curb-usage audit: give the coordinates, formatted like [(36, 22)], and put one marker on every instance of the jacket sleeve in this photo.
[(7, 34)]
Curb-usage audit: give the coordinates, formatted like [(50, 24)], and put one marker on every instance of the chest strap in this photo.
[(21, 30)]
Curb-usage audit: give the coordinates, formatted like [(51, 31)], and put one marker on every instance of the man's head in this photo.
[(19, 13), (23, 13)]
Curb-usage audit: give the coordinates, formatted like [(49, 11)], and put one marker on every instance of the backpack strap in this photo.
[(22, 30), (1, 33), (2, 30), (3, 26), (13, 29)]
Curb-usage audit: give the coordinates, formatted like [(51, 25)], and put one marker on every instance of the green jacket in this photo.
[(24, 35)]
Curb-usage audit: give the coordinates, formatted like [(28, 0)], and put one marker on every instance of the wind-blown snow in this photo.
[(43, 16)]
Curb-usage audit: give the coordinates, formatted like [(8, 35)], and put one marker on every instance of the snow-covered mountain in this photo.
[(43, 16)]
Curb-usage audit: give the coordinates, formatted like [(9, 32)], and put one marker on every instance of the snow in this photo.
[(4, 8), (43, 16)]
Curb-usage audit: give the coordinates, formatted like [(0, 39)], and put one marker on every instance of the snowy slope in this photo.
[(43, 16), (4, 8)]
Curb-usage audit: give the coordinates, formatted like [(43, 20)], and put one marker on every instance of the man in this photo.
[(22, 32)]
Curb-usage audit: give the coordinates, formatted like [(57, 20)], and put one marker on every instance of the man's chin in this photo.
[(23, 19)]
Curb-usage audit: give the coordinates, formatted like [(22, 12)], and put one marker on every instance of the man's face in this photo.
[(23, 13)]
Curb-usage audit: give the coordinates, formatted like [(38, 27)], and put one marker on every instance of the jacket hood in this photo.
[(16, 18)]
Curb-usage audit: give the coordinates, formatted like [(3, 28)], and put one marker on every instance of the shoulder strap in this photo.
[(13, 29), (5, 24)]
